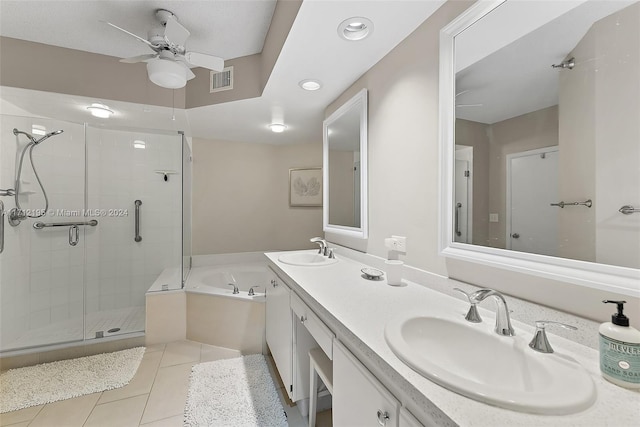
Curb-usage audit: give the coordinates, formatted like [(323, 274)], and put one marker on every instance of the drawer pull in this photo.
[(382, 417)]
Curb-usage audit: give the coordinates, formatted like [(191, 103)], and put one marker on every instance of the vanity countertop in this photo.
[(357, 310)]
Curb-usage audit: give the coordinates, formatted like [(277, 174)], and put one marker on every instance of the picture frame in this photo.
[(305, 187)]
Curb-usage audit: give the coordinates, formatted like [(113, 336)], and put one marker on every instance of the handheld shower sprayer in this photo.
[(18, 214)]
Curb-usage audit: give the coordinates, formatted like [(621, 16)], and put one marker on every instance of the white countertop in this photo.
[(357, 310)]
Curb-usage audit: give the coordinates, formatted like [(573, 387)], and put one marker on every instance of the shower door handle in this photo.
[(74, 235), (137, 237), (457, 219), (1, 226)]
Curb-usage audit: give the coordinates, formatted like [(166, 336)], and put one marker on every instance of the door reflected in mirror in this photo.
[(345, 179), (546, 131)]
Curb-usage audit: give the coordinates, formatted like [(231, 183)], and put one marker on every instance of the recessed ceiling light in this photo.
[(277, 127), (100, 110), (356, 28), (310, 84)]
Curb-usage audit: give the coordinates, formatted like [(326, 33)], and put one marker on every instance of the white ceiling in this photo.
[(511, 76), (312, 50), (229, 29)]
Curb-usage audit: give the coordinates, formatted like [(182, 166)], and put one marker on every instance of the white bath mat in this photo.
[(49, 382), (233, 393)]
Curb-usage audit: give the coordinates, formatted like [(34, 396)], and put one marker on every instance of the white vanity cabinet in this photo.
[(292, 330), (279, 325), (359, 399)]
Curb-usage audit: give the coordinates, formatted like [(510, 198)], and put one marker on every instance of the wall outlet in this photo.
[(400, 243), (493, 217)]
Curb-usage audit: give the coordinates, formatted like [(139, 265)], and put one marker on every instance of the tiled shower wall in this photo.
[(41, 276), (123, 167), (47, 285)]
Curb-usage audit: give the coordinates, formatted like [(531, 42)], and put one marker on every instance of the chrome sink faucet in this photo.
[(503, 321), (324, 248)]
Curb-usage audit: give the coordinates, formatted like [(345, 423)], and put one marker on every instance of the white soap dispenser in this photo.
[(620, 349)]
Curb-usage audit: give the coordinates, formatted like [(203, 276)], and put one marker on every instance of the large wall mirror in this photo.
[(540, 106), (345, 168)]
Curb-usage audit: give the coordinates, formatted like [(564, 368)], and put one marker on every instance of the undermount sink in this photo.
[(306, 259), (472, 360)]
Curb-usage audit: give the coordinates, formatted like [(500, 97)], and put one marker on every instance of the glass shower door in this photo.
[(135, 190), (42, 265)]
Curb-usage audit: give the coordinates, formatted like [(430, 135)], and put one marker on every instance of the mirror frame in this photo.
[(358, 101), (605, 277)]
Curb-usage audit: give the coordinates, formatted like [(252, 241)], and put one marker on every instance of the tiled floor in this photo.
[(155, 397)]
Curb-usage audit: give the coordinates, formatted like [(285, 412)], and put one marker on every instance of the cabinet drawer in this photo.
[(318, 330)]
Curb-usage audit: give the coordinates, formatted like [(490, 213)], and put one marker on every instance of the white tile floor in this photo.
[(155, 397)]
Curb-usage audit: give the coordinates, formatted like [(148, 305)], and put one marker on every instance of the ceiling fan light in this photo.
[(167, 73)]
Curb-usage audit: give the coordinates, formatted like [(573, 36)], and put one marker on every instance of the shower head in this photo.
[(50, 134)]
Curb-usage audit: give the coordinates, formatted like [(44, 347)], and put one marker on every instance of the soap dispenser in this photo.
[(620, 349)]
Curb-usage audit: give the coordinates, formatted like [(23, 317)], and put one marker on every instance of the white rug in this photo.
[(49, 382), (233, 393)]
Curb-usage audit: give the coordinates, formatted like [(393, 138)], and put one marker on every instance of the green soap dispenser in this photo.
[(620, 349)]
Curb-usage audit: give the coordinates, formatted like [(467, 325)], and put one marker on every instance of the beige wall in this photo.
[(529, 131), (599, 96), (37, 66), (241, 197), (403, 137), (341, 182), (474, 134)]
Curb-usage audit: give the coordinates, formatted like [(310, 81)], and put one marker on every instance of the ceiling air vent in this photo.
[(222, 80)]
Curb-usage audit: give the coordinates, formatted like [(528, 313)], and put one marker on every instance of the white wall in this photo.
[(403, 137)]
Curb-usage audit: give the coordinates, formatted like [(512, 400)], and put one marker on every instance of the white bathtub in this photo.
[(215, 280), (218, 317)]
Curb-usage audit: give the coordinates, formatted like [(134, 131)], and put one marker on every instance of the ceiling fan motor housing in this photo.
[(156, 35)]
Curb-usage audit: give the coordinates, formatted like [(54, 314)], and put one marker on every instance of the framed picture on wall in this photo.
[(305, 187)]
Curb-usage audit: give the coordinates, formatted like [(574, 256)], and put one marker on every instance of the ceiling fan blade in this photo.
[(145, 41), (190, 74), (206, 61), (139, 58), (175, 33)]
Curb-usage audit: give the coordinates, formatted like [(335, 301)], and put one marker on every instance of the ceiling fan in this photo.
[(169, 65)]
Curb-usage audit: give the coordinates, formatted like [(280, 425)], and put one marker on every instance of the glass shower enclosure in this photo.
[(78, 257)]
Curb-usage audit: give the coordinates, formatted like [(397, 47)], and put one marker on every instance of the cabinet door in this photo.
[(358, 397), (280, 329)]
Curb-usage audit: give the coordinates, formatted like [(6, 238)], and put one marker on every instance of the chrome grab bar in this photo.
[(587, 203), (41, 225), (137, 237), (457, 219), (626, 210), (1, 226)]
